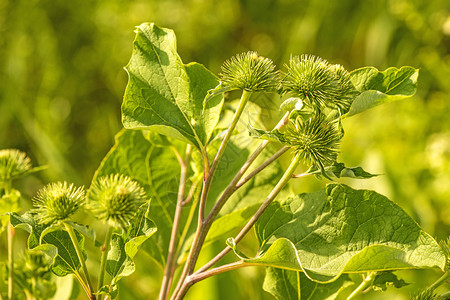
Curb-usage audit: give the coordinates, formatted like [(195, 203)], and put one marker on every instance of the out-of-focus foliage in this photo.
[(62, 82)]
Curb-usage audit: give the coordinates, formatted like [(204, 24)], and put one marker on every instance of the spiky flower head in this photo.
[(347, 91), (58, 201), (115, 198), (13, 163), (427, 294), (251, 72), (316, 139), (311, 79)]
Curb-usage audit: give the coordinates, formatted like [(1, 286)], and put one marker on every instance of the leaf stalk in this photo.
[(104, 249), (74, 239), (367, 281)]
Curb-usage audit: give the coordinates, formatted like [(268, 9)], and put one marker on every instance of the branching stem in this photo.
[(276, 190), (165, 286), (205, 224), (367, 281), (207, 180)]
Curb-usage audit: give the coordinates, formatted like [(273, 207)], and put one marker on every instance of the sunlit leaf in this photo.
[(166, 96), (125, 246), (341, 230), (378, 87), (294, 285), (339, 170), (55, 243)]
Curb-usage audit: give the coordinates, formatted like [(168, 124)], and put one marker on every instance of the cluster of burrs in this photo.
[(114, 199), (323, 88)]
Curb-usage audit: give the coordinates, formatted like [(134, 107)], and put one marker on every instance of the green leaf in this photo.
[(286, 285), (118, 265), (67, 288), (54, 243), (270, 135), (140, 229), (342, 230), (111, 290), (156, 139), (125, 246), (166, 96), (8, 203), (378, 87), (292, 103), (384, 279), (339, 170), (134, 156)]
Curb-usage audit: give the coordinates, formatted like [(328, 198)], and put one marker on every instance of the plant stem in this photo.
[(208, 176), (440, 281), (105, 249), (262, 167), (193, 193), (225, 268), (364, 285), (11, 233), (244, 99), (74, 239), (276, 190), (445, 295), (165, 285), (205, 224), (83, 283)]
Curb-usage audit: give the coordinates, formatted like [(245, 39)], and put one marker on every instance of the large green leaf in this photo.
[(157, 170), (166, 96), (294, 285), (56, 244), (378, 87), (342, 230)]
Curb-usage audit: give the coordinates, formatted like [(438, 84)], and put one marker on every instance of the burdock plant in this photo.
[(57, 202), (316, 140), (54, 205), (303, 239), (318, 83), (250, 72), (114, 199)]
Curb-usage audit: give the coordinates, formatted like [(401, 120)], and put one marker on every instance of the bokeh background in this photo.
[(62, 82)]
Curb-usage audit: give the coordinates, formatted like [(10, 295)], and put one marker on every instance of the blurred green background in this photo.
[(62, 82)]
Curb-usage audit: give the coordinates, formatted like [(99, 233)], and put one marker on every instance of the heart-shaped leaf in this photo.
[(166, 96), (342, 230)]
